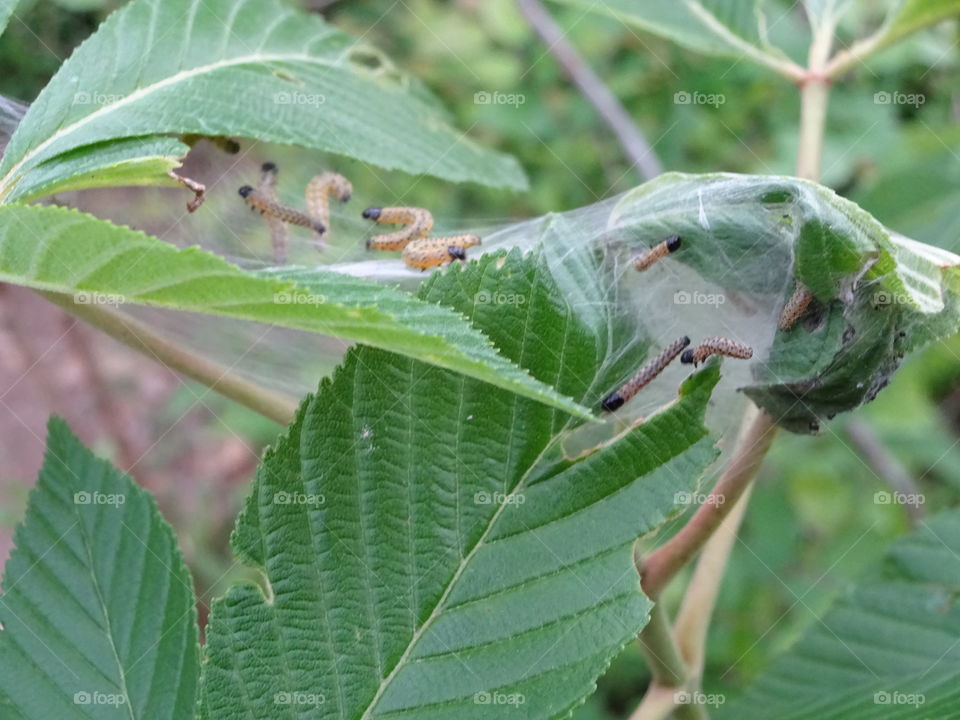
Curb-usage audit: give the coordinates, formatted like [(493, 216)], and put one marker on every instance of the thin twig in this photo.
[(814, 97), (696, 611), (663, 564), (606, 104), (138, 336), (885, 465)]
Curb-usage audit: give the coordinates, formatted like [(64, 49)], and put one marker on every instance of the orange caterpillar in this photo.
[(419, 223), (278, 231), (716, 346), (657, 252), (429, 252), (647, 373), (796, 306), (318, 193)]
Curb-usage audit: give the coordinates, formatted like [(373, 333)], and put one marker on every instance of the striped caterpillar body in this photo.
[(716, 346), (429, 252), (265, 206), (657, 252), (278, 231), (318, 193), (419, 223), (647, 373), (796, 306)]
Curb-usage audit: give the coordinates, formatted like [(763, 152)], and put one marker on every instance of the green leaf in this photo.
[(6, 11), (713, 27), (129, 161), (69, 252), (887, 649), (909, 16), (98, 609), (428, 549), (879, 295), (251, 68)]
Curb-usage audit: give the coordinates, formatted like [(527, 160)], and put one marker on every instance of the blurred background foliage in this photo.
[(815, 519)]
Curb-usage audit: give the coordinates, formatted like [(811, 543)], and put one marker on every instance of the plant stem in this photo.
[(670, 674), (634, 144), (663, 564), (814, 97), (138, 336), (696, 611)]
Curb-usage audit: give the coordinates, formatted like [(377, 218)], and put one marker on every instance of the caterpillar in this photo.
[(796, 306), (647, 373), (318, 193), (278, 231), (267, 207), (419, 223), (429, 252), (716, 346), (657, 252)]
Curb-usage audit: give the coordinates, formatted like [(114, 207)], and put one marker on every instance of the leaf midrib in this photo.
[(465, 561), (145, 91)]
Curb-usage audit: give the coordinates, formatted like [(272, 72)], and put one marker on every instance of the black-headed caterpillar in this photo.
[(657, 252), (716, 346), (419, 223), (318, 193), (647, 373), (264, 200), (430, 252)]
